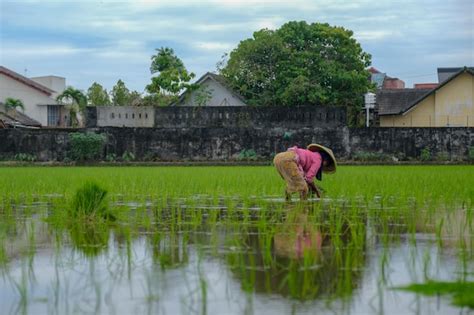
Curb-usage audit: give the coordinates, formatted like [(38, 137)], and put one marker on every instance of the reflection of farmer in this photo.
[(298, 167), (297, 237)]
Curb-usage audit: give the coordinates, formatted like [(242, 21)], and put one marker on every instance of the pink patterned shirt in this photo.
[(308, 162)]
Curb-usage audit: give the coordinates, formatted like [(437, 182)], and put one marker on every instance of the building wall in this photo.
[(454, 102), (125, 116), (30, 97), (220, 96), (450, 106), (422, 115), (57, 84)]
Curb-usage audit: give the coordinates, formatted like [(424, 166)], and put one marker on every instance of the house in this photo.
[(38, 96), (213, 90), (449, 104), (12, 118), (383, 81)]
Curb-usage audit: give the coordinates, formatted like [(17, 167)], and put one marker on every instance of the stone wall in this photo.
[(220, 144)]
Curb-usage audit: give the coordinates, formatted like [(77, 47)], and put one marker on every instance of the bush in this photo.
[(86, 146), (425, 154), (128, 156), (111, 157), (248, 155), (24, 157), (471, 153)]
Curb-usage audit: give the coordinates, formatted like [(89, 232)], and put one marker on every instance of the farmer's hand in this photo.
[(314, 189)]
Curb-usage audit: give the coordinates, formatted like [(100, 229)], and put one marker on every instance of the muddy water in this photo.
[(289, 263)]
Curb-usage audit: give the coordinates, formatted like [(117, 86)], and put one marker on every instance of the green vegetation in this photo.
[(89, 201), (86, 146), (77, 102), (462, 293), (425, 154), (300, 64), (185, 221), (13, 103)]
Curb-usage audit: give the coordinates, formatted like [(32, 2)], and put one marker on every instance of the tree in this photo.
[(97, 95), (300, 64), (13, 103), (135, 98), (78, 103), (120, 94), (172, 75)]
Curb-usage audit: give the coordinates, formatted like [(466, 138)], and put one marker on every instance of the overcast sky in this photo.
[(103, 41)]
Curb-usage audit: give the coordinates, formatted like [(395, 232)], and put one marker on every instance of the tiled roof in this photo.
[(15, 118), (396, 101), (446, 73), (14, 75)]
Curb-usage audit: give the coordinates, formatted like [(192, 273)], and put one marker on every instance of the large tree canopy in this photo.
[(300, 64)]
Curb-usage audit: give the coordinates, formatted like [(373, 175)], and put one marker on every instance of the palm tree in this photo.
[(13, 103), (77, 100)]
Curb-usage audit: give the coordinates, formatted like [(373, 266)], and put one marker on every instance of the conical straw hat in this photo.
[(331, 167)]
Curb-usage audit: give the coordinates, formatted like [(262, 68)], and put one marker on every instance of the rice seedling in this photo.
[(236, 218), (90, 202)]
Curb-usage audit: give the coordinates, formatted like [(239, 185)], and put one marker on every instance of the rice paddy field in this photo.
[(223, 240)]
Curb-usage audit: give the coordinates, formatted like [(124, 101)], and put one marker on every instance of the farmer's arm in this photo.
[(312, 186)]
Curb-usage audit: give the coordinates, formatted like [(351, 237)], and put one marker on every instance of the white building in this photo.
[(213, 91), (37, 94)]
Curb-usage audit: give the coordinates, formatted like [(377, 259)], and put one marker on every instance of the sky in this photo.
[(104, 41)]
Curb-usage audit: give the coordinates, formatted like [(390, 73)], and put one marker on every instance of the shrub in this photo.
[(24, 157), (111, 157), (471, 153), (425, 154), (128, 156), (86, 146), (248, 155)]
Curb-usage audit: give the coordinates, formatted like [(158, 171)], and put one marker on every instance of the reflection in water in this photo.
[(302, 262), (225, 256)]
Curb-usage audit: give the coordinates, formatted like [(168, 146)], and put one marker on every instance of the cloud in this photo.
[(102, 41), (213, 46)]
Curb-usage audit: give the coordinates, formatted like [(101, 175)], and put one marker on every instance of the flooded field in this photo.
[(222, 240)]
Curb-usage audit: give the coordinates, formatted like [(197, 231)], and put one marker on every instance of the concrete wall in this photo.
[(219, 95), (220, 144), (30, 97), (208, 116), (124, 116)]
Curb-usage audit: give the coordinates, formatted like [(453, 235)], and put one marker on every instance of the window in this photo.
[(112, 115), (53, 115), (126, 116), (140, 115), (133, 116)]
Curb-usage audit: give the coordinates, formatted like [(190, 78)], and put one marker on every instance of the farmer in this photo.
[(298, 167)]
